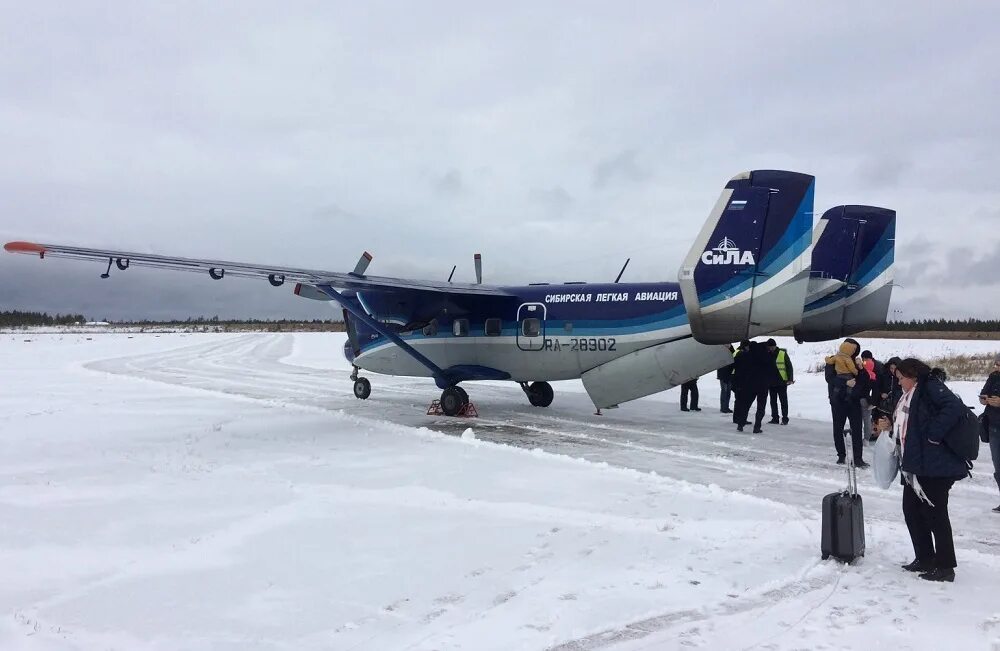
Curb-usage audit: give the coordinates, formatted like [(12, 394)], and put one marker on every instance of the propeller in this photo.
[(362, 266), (479, 268)]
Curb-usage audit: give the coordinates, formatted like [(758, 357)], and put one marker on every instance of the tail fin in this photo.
[(748, 269), (851, 279)]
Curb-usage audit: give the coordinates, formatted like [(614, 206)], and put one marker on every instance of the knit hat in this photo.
[(997, 360), (771, 342)]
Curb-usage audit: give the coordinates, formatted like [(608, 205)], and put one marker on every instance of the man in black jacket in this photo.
[(847, 383), (740, 374), (752, 372), (725, 376), (990, 396)]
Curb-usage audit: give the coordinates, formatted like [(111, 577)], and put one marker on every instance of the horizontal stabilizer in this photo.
[(651, 370), (851, 282), (748, 270)]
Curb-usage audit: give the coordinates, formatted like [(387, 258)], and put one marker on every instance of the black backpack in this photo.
[(963, 438)]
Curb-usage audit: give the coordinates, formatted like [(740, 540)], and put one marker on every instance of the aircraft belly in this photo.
[(562, 358)]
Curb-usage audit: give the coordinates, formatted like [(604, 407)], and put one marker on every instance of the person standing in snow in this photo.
[(691, 386), (846, 385), (990, 397), (753, 371), (925, 415), (780, 381), (740, 375), (725, 376), (868, 401)]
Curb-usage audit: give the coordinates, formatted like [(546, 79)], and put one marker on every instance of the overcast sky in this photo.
[(556, 138)]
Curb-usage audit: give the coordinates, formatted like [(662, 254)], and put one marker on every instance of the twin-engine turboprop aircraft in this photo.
[(756, 267)]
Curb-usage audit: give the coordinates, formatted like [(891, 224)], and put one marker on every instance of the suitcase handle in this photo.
[(852, 479)]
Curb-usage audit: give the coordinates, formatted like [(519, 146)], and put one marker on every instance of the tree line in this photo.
[(16, 318), (13, 318), (944, 325)]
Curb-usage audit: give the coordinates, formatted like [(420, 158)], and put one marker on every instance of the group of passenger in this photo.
[(759, 370), (908, 400), (903, 398)]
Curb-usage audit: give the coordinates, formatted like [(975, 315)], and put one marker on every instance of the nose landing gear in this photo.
[(362, 387)]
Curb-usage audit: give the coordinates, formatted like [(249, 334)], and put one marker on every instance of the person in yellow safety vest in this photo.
[(783, 376)]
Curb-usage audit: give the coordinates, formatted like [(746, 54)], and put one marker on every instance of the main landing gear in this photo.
[(453, 400), (362, 387), (539, 394)]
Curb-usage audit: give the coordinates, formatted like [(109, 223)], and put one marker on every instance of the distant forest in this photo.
[(944, 325), (15, 318)]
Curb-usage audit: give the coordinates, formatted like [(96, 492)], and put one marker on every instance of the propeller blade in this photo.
[(362, 266), (479, 269)]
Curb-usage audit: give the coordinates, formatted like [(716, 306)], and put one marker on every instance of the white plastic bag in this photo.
[(885, 462)]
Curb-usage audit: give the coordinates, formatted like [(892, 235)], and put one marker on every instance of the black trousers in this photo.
[(725, 390), (691, 387), (779, 392), (924, 520), (844, 412), (745, 397)]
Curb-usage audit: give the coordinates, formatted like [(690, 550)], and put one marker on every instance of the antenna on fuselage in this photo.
[(627, 260), (453, 268), (479, 268)]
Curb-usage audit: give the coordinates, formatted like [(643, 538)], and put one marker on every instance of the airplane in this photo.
[(757, 266)]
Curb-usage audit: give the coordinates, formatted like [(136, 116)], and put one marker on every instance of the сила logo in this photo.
[(726, 252)]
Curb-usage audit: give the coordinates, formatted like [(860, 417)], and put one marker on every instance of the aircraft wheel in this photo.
[(452, 401), (465, 396), (362, 388), (540, 394)]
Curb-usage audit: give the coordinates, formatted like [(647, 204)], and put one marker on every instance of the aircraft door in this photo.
[(531, 326)]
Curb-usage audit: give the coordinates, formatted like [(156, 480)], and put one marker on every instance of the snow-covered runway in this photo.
[(228, 492)]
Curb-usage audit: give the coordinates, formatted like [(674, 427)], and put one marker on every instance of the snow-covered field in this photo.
[(210, 491)]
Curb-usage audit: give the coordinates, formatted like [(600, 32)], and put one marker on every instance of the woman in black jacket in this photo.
[(926, 413), (990, 396)]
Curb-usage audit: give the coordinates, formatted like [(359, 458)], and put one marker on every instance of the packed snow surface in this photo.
[(212, 491)]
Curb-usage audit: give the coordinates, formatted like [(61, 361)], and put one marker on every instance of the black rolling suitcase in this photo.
[(844, 521)]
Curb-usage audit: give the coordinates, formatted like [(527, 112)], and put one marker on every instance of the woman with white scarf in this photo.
[(923, 419)]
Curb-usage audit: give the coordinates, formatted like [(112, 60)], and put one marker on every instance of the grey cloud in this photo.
[(217, 130), (451, 184), (555, 199), (622, 166), (881, 171)]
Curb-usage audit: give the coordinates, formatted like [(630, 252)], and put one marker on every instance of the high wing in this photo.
[(217, 269)]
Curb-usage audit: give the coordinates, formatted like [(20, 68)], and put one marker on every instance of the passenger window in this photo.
[(461, 327), (531, 327), (431, 328), (493, 328)]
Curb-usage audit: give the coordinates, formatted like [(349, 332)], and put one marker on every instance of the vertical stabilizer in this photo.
[(748, 270)]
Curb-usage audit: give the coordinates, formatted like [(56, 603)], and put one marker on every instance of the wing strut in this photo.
[(441, 378)]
